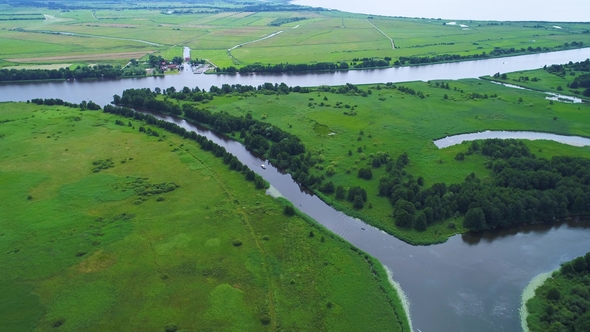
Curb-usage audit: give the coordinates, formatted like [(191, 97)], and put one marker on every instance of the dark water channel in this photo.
[(469, 283), (472, 282)]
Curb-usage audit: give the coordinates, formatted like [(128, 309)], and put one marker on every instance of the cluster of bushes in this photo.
[(90, 105), (284, 20), (410, 91), (82, 72), (580, 81), (562, 303), (522, 190), (205, 143), (102, 164)]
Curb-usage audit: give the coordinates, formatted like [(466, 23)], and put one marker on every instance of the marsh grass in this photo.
[(78, 254), (407, 123)]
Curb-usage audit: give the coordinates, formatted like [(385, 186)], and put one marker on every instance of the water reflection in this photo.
[(472, 238)]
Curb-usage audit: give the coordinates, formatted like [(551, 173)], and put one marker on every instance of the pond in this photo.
[(528, 135)]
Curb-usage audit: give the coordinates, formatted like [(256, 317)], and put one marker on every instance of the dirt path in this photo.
[(246, 220), (383, 33), (250, 42)]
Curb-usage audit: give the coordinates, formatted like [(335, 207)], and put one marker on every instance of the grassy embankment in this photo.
[(395, 122), (561, 302), (82, 250), (320, 36)]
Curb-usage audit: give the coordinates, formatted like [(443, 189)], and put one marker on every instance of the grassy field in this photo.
[(83, 250), (346, 131), (310, 36)]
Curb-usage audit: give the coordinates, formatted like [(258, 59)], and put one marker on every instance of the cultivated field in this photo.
[(307, 35)]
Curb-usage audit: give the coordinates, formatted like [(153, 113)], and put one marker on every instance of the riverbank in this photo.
[(527, 294)]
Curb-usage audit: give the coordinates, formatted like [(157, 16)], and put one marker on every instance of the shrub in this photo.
[(171, 327), (265, 319), (59, 322), (289, 210), (237, 242)]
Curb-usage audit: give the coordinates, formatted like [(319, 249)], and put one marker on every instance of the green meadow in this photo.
[(104, 228), (124, 31), (345, 131)]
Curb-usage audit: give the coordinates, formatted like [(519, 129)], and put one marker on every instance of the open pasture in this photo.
[(85, 248)]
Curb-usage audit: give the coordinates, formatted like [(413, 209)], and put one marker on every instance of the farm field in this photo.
[(306, 36), (344, 132), (104, 227)]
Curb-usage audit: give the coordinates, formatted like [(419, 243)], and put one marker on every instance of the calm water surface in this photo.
[(528, 135), (102, 91), (498, 10)]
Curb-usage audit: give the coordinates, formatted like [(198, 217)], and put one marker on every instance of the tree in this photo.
[(340, 193), (403, 213), (289, 210), (475, 219), (358, 202), (177, 60), (327, 188), (365, 173), (420, 222)]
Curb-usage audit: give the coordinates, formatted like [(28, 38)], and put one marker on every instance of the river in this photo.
[(469, 283), (499, 10), (102, 91), (472, 282)]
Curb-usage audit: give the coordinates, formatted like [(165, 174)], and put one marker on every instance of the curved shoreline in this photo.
[(527, 294), (572, 140)]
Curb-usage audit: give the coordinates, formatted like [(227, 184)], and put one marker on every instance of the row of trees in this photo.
[(496, 52), (562, 303), (280, 147), (303, 67), (206, 144), (81, 72), (90, 105)]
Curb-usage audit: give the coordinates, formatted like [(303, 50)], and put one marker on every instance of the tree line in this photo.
[(90, 105), (303, 67), (496, 52), (207, 145), (81, 72), (280, 147)]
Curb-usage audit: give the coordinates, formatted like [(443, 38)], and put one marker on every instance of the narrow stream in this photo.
[(473, 282)]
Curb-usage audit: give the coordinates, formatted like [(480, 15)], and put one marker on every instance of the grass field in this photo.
[(82, 250), (390, 121), (315, 36)]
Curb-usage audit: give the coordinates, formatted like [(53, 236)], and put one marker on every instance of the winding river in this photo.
[(473, 282)]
